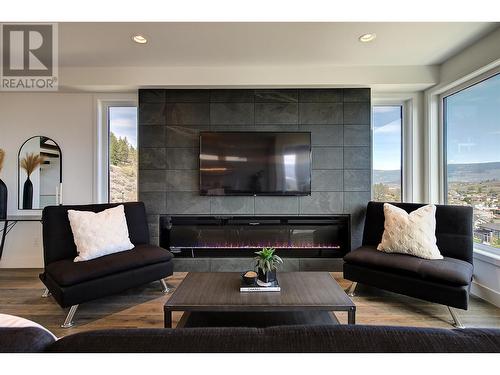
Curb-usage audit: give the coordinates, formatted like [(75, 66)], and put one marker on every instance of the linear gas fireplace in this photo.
[(241, 236)]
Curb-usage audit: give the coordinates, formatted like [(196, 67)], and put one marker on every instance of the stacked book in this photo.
[(259, 286)]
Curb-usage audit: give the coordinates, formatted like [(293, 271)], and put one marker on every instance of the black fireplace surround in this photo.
[(241, 236)]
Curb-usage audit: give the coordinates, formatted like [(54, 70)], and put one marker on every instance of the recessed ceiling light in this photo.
[(141, 39), (365, 38)]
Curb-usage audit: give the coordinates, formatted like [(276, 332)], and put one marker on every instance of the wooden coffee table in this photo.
[(219, 292)]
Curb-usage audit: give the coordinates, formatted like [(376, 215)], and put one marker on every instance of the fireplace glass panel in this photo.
[(242, 236), (314, 237)]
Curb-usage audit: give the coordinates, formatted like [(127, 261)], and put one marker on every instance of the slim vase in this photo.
[(28, 194), (3, 200)]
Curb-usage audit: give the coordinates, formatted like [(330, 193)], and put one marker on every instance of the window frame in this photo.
[(443, 144), (409, 103), (443, 180), (102, 140), (402, 110)]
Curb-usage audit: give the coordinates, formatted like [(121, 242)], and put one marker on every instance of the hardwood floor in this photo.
[(21, 290)]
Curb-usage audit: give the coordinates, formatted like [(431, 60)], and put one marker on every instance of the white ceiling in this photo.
[(259, 44)]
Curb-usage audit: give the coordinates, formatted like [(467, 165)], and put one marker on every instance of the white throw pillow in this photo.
[(11, 321), (411, 233), (99, 234)]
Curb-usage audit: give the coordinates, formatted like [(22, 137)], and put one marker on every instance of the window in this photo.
[(122, 154), (387, 152), (472, 155)]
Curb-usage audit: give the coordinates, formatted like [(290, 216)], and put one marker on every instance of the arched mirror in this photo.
[(39, 174)]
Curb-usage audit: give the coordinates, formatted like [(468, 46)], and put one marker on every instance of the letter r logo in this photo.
[(27, 50)]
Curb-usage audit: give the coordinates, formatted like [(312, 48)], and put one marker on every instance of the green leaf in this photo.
[(266, 260)]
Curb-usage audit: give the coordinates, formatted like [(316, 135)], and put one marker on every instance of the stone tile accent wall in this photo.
[(339, 121)]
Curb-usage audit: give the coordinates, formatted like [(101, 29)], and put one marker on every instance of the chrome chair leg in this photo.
[(457, 323), (352, 288), (68, 322), (46, 293), (165, 288)]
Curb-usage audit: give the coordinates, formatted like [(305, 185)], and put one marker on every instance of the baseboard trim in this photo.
[(483, 292)]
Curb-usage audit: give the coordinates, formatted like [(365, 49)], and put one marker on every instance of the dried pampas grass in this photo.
[(30, 162), (2, 158)]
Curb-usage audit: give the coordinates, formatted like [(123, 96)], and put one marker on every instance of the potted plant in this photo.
[(267, 263)]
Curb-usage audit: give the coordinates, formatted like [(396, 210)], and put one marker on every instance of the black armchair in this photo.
[(444, 281), (72, 283)]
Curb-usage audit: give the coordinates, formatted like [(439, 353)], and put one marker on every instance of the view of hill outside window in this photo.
[(387, 128), (122, 154), (472, 125)]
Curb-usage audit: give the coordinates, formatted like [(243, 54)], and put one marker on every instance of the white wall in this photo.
[(379, 78), (478, 57), (486, 283), (68, 119)]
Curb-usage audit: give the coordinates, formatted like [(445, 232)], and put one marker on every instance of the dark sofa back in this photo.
[(24, 340), (453, 227), (294, 339), (58, 242)]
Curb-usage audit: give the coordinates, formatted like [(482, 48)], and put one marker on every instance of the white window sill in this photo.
[(487, 254)]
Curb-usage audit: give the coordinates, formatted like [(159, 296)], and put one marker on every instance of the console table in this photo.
[(10, 222)]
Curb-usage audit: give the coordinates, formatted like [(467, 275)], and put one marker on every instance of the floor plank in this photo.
[(20, 294)]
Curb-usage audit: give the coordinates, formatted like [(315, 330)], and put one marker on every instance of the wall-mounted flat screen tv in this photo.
[(255, 163)]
